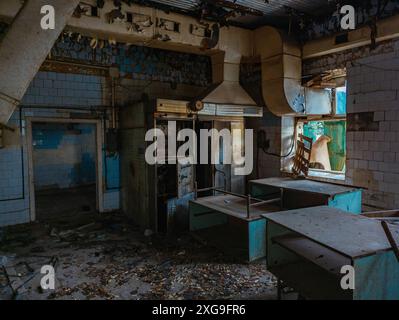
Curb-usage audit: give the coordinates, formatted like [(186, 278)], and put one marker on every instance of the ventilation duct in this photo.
[(281, 77)]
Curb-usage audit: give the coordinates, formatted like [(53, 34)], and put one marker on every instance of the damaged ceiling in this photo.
[(249, 13), (308, 19)]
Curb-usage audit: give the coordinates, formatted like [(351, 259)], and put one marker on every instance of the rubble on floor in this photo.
[(105, 257)]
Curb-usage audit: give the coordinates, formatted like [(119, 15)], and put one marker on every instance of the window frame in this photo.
[(318, 173)]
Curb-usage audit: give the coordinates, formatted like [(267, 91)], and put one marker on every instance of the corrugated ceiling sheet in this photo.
[(273, 7), (277, 6), (181, 4)]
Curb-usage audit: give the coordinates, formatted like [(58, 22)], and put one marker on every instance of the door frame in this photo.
[(99, 158)]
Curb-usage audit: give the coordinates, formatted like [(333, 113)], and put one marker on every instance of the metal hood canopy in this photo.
[(227, 97), (229, 93), (226, 90), (230, 99)]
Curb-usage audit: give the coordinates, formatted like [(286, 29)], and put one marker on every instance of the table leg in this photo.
[(279, 289)]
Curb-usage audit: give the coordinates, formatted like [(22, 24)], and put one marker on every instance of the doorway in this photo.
[(174, 184), (64, 168)]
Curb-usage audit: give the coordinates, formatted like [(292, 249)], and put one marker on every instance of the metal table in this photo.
[(304, 193), (231, 223), (306, 249)]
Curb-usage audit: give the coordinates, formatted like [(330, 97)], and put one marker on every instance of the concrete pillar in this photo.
[(25, 47)]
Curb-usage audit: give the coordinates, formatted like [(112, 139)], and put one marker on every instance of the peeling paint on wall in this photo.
[(345, 58), (366, 12), (134, 62), (362, 121), (137, 62)]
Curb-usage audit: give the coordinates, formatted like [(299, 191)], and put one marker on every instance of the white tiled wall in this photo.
[(14, 197), (50, 88), (373, 156)]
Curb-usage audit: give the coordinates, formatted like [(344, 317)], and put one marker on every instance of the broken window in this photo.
[(328, 158), (340, 101)]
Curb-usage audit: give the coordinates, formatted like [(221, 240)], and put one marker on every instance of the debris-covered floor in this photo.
[(106, 257)]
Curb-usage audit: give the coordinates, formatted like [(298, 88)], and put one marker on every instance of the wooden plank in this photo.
[(304, 185), (392, 220), (302, 156), (317, 254), (307, 139), (392, 233), (351, 235), (382, 214)]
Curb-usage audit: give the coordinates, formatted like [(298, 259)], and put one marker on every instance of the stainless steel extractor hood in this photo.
[(227, 97)]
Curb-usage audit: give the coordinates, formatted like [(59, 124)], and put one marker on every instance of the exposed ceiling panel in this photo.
[(273, 11), (278, 5), (270, 7), (181, 4)]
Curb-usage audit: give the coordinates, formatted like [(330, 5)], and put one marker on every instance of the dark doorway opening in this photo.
[(64, 169), (175, 185)]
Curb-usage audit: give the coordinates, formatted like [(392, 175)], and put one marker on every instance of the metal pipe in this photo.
[(195, 190), (265, 202), (237, 195), (74, 108), (248, 205), (77, 64), (230, 193), (223, 174), (113, 103), (206, 189), (259, 201)]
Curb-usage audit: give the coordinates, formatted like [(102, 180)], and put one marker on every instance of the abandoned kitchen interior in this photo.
[(308, 105)]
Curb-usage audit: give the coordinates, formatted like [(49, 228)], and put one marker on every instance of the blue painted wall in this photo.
[(111, 171), (63, 155)]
